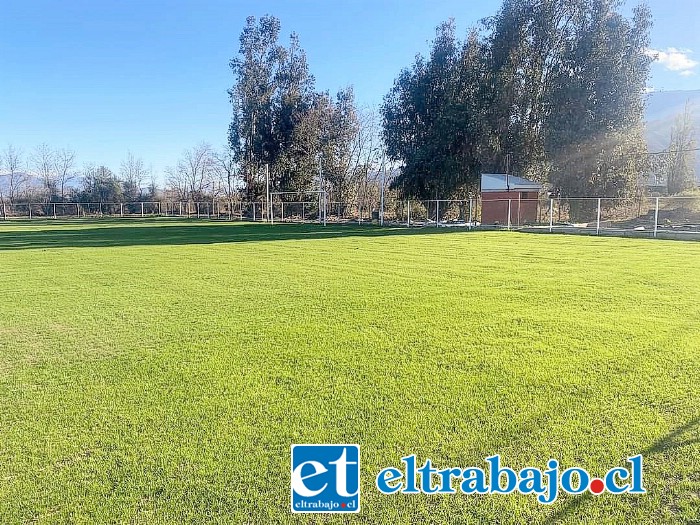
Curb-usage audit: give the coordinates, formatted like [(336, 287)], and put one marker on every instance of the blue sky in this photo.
[(104, 78)]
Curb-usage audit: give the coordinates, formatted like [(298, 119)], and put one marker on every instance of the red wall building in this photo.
[(499, 193)]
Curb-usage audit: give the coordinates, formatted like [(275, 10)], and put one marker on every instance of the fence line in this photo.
[(595, 215)]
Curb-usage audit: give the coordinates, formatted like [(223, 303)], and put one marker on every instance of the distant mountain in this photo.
[(662, 109)]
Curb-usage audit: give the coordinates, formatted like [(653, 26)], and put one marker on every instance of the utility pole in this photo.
[(507, 172)]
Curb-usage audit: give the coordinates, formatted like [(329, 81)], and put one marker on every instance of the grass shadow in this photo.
[(150, 232), (677, 438)]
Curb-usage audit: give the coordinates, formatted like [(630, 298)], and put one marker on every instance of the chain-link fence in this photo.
[(642, 216), (214, 209)]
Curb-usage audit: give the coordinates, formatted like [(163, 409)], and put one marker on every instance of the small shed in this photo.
[(503, 195)]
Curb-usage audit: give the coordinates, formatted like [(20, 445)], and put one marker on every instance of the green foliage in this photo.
[(553, 92), (433, 118), (594, 135), (339, 127), (100, 184), (131, 191), (279, 119), (251, 136), (145, 376)]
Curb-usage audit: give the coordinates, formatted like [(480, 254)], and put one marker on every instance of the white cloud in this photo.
[(674, 59)]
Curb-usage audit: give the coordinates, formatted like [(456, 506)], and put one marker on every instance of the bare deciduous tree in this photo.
[(133, 173), (42, 161), (227, 172), (194, 173), (366, 158), (680, 161), (64, 164), (175, 183), (15, 179)]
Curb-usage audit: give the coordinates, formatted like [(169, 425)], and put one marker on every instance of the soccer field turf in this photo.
[(158, 371)]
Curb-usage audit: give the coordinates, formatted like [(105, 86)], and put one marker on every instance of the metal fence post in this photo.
[(437, 213), (381, 198), (509, 202), (54, 210), (30, 210), (471, 220), (597, 224), (142, 209), (408, 204), (4, 212), (656, 217), (551, 214), (381, 209)]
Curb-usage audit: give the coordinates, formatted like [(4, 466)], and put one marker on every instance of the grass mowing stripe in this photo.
[(157, 371)]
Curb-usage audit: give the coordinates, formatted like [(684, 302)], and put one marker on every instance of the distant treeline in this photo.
[(551, 90)]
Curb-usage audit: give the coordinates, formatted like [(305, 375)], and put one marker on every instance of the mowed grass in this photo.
[(158, 371)]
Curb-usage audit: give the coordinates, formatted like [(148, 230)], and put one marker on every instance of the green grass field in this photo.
[(158, 371)]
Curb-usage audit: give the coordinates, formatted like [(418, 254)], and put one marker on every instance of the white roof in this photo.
[(502, 182)]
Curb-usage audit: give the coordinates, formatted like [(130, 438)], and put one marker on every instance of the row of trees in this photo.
[(51, 175), (550, 90), (202, 173), (53, 169), (285, 129), (281, 126)]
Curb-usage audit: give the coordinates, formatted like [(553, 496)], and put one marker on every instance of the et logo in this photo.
[(325, 478)]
